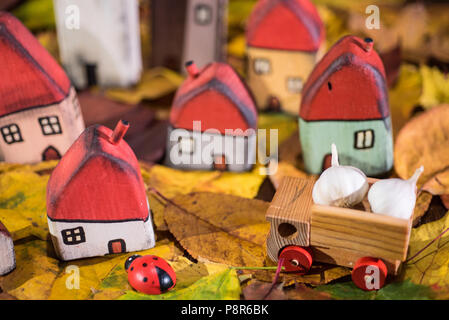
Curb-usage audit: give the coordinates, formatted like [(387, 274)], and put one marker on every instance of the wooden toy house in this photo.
[(40, 116), (212, 121), (345, 101), (96, 200), (7, 255), (99, 41), (184, 30), (302, 232), (283, 38)]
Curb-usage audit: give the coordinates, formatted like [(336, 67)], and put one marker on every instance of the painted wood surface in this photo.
[(289, 215), (40, 115), (205, 31), (283, 39), (213, 114), (345, 101), (104, 48), (7, 255), (338, 236), (96, 199)]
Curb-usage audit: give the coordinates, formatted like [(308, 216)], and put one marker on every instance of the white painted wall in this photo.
[(108, 36), (7, 256), (205, 145)]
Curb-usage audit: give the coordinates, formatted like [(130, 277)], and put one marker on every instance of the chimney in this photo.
[(192, 69), (119, 131), (368, 44)]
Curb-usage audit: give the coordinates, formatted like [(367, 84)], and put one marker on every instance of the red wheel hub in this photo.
[(296, 259), (369, 273)]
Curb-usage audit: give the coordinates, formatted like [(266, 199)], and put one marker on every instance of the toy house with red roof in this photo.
[(213, 121), (283, 39), (39, 112), (96, 199), (345, 101)]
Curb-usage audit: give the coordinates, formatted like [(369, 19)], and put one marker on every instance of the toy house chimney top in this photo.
[(30, 76), (217, 97), (350, 63), (285, 25), (96, 170)]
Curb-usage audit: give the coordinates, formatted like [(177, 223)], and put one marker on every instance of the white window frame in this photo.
[(364, 139), (199, 7), (11, 133), (262, 61), (294, 79)]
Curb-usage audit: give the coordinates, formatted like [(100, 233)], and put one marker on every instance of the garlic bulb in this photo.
[(394, 197), (341, 186)]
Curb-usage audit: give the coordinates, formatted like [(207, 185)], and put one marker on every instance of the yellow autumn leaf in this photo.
[(35, 273), (431, 266), (237, 46), (220, 228), (18, 226), (435, 87), (155, 83)]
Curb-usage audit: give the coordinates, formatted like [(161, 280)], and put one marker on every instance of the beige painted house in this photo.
[(40, 116), (284, 38)]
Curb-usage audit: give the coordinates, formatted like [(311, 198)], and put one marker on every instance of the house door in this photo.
[(327, 161), (273, 104), (51, 153), (220, 162), (117, 246)]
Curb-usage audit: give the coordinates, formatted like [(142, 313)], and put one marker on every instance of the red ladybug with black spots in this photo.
[(150, 274)]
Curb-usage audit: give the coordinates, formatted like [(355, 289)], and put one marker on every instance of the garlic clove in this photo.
[(394, 197), (341, 186)]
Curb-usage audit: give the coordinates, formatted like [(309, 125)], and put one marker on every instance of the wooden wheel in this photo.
[(369, 273), (296, 259)]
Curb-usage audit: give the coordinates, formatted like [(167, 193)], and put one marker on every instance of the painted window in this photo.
[(203, 14), (50, 125), (186, 145), (73, 236), (11, 133), (364, 139), (294, 84), (262, 66)]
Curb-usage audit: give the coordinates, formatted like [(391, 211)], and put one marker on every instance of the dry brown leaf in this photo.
[(302, 292), (257, 290), (220, 228), (424, 140), (421, 206)]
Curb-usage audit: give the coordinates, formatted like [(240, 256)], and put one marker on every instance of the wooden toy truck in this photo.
[(301, 231)]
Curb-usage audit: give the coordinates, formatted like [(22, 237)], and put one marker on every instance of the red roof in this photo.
[(286, 25), (30, 77), (347, 84), (217, 97), (97, 180)]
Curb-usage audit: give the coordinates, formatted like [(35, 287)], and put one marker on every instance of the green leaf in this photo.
[(219, 286), (36, 14)]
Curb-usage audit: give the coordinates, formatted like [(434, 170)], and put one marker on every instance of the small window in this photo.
[(73, 236), (50, 125), (11, 134), (203, 14), (364, 139), (294, 84), (186, 145), (262, 66)]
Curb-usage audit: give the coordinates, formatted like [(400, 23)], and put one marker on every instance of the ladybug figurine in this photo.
[(150, 274)]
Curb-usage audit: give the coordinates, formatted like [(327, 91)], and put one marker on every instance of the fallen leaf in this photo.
[(257, 290), (284, 169), (435, 89), (220, 228), (35, 271), (405, 290), (36, 14), (218, 286), (430, 267), (303, 292), (155, 83), (445, 200), (424, 140), (421, 206)]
